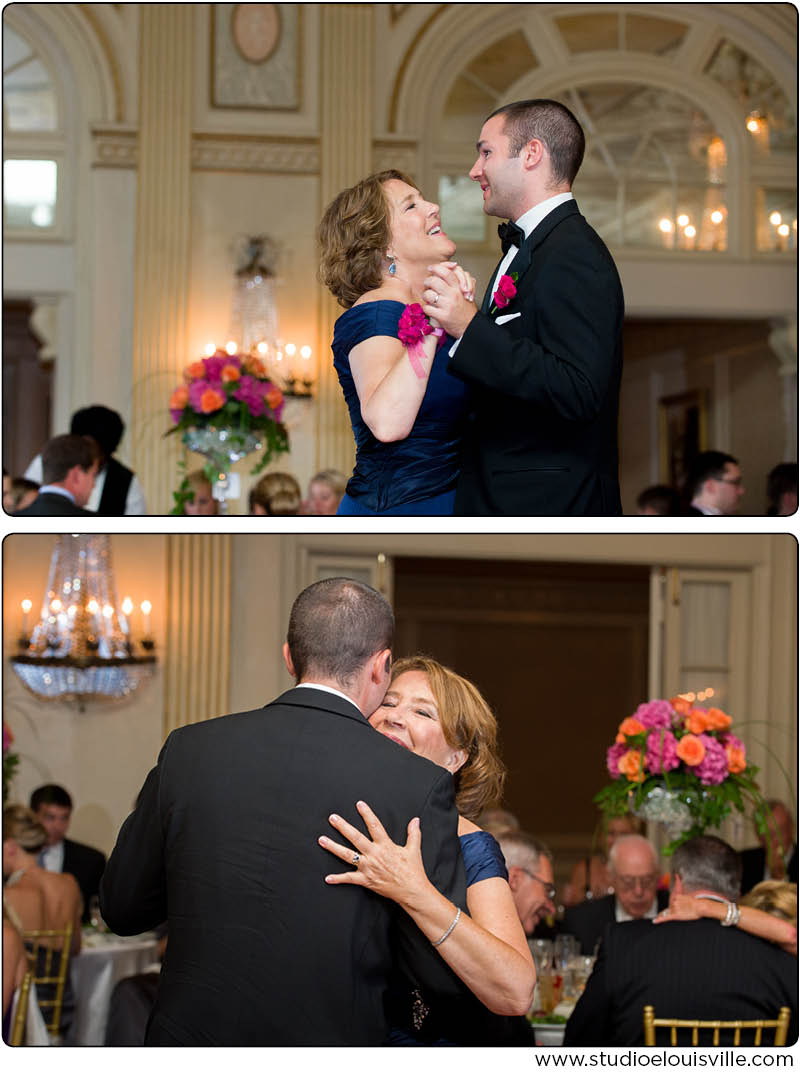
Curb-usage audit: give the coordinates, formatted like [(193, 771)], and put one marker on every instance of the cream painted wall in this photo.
[(103, 754)]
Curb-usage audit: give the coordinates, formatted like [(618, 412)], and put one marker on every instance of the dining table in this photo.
[(104, 960)]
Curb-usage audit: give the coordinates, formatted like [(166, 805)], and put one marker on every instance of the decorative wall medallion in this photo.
[(256, 30)]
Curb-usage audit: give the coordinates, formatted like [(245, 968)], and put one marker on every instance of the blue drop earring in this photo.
[(392, 266)]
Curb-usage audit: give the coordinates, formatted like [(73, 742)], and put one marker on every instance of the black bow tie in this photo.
[(510, 235)]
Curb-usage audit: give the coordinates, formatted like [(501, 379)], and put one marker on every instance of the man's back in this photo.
[(261, 950), (684, 969)]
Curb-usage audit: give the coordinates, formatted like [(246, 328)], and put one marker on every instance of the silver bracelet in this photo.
[(456, 919), (732, 916)]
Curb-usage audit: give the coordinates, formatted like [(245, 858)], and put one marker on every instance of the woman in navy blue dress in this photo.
[(439, 715), (377, 242)]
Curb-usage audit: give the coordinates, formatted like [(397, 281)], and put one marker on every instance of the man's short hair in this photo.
[(63, 453), (708, 464), (708, 863), (620, 843), (50, 794), (335, 626), (555, 127), (104, 425), (661, 498), (522, 850), (780, 480)]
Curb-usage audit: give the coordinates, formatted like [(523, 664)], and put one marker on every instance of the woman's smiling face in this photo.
[(416, 227), (409, 715)]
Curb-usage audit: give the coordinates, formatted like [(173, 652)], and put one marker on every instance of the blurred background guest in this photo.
[(775, 857), (275, 494), (591, 877), (116, 490), (69, 470), (714, 484), (782, 489), (202, 503), (660, 500), (633, 875), (20, 494), (497, 821), (325, 492), (530, 876), (52, 806)]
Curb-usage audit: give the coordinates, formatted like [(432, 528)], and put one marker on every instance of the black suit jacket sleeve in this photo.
[(441, 854), (133, 891), (570, 366)]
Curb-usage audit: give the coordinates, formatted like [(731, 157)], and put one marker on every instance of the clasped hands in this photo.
[(449, 297)]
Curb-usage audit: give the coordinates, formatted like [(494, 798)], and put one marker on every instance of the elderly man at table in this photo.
[(633, 871), (530, 876), (223, 844), (688, 968), (52, 806)]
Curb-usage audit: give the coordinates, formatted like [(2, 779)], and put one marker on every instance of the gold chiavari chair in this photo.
[(21, 1013), (49, 962), (651, 1023)]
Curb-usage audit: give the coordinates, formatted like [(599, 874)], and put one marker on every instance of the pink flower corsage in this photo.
[(506, 290), (411, 331)]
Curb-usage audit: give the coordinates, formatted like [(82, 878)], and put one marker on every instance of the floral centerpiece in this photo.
[(10, 760), (679, 764), (226, 408)]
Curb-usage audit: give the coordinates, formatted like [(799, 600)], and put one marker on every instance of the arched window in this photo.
[(33, 141)]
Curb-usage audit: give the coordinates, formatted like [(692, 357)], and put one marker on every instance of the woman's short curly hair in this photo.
[(467, 723), (353, 236)]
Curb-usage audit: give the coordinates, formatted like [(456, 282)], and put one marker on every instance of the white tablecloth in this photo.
[(103, 960)]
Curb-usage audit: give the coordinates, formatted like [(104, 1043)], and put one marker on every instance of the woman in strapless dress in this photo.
[(377, 241)]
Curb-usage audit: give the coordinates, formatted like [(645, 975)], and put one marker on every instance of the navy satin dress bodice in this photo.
[(483, 858), (416, 472)]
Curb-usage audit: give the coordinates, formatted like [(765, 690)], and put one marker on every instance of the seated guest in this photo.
[(633, 875), (52, 807), (497, 821), (688, 969), (776, 855), (530, 876), (714, 484), (324, 492), (590, 877), (658, 500), (782, 490), (19, 494), (36, 899), (69, 469), (275, 494), (117, 490), (202, 504)]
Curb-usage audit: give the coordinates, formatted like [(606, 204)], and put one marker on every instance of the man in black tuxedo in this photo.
[(633, 870), (52, 806), (223, 844), (781, 860), (69, 467), (545, 367), (713, 485), (684, 969)]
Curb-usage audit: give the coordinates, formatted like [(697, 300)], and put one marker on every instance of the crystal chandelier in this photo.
[(81, 648)]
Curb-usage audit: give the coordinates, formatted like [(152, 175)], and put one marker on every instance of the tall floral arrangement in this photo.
[(10, 760), (680, 764), (231, 393)]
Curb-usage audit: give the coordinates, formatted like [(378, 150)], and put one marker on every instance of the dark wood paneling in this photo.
[(26, 389)]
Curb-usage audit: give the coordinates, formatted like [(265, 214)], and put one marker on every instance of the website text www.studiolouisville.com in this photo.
[(728, 1058)]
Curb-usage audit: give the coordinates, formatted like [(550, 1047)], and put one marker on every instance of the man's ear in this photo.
[(515, 875), (381, 665), (533, 153), (287, 659)]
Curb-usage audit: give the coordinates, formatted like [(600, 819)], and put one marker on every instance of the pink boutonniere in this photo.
[(506, 290), (411, 331)]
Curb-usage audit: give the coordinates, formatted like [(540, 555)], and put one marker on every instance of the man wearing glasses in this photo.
[(633, 868), (530, 876), (714, 484)]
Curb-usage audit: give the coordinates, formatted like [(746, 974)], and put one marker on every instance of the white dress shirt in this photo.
[(134, 501), (51, 858), (622, 915), (329, 689)]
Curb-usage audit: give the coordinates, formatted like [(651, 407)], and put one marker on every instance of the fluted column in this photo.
[(197, 667), (162, 239), (346, 111)]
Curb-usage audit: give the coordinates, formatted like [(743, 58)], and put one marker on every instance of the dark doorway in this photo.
[(559, 650), (26, 388)]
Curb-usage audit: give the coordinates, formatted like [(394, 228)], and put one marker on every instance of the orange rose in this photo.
[(211, 400), (691, 750), (229, 373), (717, 719), (681, 706), (195, 371), (736, 760), (631, 725), (179, 397), (253, 364), (697, 721), (274, 398), (630, 765)]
